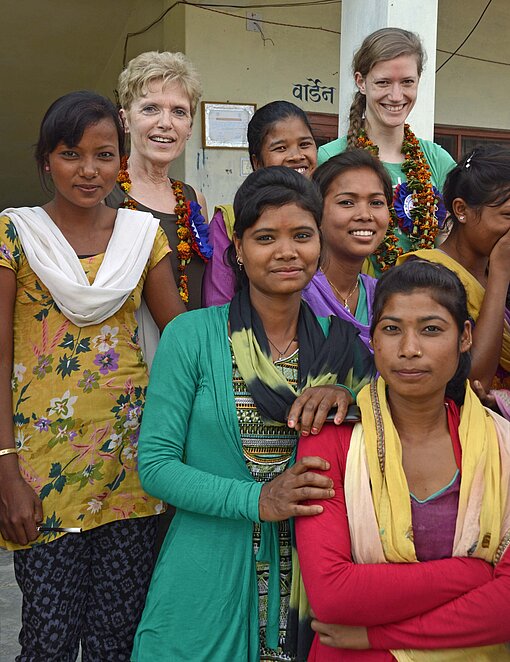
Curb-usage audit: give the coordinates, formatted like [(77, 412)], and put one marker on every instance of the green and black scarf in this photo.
[(335, 358)]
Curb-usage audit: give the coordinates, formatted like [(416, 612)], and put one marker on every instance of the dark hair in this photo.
[(265, 118), (445, 287), (352, 159), (66, 120), (481, 179), (274, 187)]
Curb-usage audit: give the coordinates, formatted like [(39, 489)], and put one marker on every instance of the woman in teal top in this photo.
[(387, 70), (230, 388)]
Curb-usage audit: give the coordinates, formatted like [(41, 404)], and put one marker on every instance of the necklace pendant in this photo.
[(346, 306)]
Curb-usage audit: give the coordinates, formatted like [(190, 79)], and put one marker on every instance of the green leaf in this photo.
[(41, 314), (68, 342), (117, 481), (45, 491), (59, 484), (56, 470), (67, 365), (83, 346)]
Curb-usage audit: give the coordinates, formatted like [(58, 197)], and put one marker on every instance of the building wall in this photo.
[(49, 49), (470, 92), (237, 65)]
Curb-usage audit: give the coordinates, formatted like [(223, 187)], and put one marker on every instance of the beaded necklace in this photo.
[(192, 230), (417, 197)]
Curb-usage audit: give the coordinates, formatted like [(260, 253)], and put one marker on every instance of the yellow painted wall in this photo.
[(49, 49), (240, 66)]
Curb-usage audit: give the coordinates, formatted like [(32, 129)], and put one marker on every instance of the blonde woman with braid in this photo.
[(387, 69)]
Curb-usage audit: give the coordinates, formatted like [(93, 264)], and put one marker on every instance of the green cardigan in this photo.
[(203, 599)]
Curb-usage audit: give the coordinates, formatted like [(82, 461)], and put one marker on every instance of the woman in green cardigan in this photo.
[(231, 387)]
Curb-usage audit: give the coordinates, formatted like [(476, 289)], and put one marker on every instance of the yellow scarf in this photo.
[(228, 218), (475, 292), (379, 508)]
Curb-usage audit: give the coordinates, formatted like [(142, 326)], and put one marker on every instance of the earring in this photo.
[(46, 168), (462, 218), (239, 262)]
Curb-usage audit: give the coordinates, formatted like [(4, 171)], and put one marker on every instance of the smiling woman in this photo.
[(357, 194), (279, 134), (159, 93), (72, 391), (387, 69), (231, 387)]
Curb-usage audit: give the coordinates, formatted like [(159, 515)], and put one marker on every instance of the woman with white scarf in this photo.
[(71, 506)]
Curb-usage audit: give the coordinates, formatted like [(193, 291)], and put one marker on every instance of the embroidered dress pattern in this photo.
[(267, 450), (78, 397)]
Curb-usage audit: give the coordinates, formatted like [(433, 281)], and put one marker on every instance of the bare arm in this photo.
[(161, 294), (488, 331), (20, 507)]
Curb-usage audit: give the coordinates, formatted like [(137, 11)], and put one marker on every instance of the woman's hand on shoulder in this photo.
[(20, 508), (310, 409), (354, 637), (282, 497)]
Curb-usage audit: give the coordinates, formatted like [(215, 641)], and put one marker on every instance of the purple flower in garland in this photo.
[(107, 361), (200, 230)]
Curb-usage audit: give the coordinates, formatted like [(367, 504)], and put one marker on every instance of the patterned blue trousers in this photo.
[(87, 588)]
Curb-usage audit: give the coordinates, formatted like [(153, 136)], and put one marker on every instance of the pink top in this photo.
[(444, 603)]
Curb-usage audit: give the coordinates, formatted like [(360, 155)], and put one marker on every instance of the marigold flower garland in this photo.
[(192, 230), (425, 209)]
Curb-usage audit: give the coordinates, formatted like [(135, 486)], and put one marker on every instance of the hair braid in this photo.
[(355, 119)]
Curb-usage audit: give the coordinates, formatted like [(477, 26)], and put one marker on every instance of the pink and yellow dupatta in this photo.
[(379, 508)]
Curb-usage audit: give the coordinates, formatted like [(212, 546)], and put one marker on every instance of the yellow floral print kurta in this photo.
[(77, 397)]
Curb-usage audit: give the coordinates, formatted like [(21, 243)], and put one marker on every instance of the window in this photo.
[(324, 127), (461, 140), (457, 140)]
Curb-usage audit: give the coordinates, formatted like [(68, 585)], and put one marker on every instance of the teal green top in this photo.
[(440, 163), (439, 160), (203, 599)]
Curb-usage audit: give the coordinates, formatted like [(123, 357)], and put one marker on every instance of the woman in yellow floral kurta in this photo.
[(78, 385)]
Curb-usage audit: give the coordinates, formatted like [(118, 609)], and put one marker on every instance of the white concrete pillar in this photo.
[(359, 19)]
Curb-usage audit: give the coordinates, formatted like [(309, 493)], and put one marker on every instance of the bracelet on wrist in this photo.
[(349, 390), (8, 451)]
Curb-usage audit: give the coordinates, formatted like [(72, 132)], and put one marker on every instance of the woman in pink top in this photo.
[(423, 478), (279, 133)]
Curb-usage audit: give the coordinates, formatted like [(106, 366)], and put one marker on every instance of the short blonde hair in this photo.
[(150, 66)]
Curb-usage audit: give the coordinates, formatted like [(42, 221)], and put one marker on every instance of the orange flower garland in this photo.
[(187, 242), (424, 220)]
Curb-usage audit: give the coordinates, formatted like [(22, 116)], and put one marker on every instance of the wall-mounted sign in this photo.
[(224, 125), (313, 91)]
